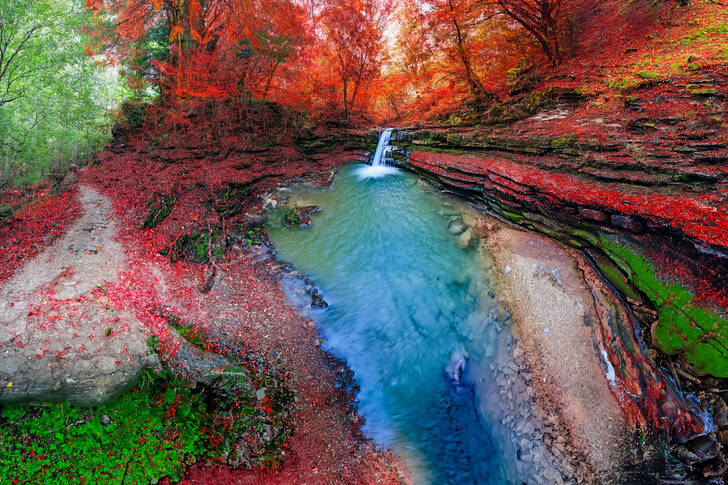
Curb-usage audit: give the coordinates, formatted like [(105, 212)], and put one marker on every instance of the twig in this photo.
[(126, 468)]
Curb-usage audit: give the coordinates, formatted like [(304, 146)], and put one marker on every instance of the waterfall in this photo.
[(378, 167), (381, 146)]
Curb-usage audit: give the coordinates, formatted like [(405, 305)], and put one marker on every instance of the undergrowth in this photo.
[(151, 432)]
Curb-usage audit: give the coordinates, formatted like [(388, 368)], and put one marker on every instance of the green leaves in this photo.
[(54, 99)]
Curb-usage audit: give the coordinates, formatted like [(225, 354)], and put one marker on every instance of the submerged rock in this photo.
[(317, 301), (456, 227), (300, 216)]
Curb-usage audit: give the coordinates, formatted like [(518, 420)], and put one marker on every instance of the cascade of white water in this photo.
[(381, 146)]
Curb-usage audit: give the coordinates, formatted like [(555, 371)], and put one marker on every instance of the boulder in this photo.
[(626, 222), (86, 364), (593, 215)]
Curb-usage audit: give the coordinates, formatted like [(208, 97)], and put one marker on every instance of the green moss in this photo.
[(514, 217), (545, 230), (617, 278), (196, 246), (586, 235), (536, 100), (202, 243), (158, 208), (193, 336), (6, 212), (683, 326), (563, 142), (702, 91), (647, 75)]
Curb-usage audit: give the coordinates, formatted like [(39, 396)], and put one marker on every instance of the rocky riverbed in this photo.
[(570, 414)]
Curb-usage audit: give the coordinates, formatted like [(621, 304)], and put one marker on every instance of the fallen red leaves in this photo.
[(41, 219)]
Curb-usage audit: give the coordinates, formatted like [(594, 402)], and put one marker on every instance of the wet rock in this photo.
[(723, 437), (685, 455), (628, 223), (317, 301), (593, 215), (463, 240), (704, 447), (300, 216), (456, 227), (716, 467), (720, 412)]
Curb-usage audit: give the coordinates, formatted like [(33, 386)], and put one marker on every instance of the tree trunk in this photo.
[(476, 87)]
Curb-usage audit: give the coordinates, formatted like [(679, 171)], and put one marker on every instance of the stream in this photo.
[(408, 312)]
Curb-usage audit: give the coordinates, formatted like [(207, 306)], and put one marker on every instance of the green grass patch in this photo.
[(683, 326), (148, 433), (153, 431)]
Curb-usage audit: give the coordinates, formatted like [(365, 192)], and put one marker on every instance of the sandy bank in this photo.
[(555, 320)]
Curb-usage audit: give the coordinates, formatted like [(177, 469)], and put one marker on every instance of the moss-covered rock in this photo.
[(198, 246), (683, 327)]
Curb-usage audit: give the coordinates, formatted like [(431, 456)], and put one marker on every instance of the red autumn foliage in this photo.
[(318, 59), (41, 218), (704, 219)]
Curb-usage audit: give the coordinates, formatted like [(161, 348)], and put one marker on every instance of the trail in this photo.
[(59, 338)]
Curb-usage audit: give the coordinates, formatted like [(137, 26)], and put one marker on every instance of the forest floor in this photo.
[(233, 298)]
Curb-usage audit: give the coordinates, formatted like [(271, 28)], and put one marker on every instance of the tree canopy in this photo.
[(54, 99)]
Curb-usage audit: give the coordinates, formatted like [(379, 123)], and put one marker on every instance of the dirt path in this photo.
[(58, 337)]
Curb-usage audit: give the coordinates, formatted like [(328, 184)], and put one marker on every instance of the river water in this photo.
[(407, 312)]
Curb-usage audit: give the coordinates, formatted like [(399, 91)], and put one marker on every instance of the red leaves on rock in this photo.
[(704, 218)]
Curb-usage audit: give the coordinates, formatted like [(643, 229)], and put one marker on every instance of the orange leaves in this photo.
[(273, 49), (95, 4), (195, 10), (175, 33)]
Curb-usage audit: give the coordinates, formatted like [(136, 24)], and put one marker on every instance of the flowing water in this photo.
[(406, 312)]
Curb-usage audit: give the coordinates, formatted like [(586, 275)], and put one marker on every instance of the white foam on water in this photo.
[(611, 376), (374, 171)]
